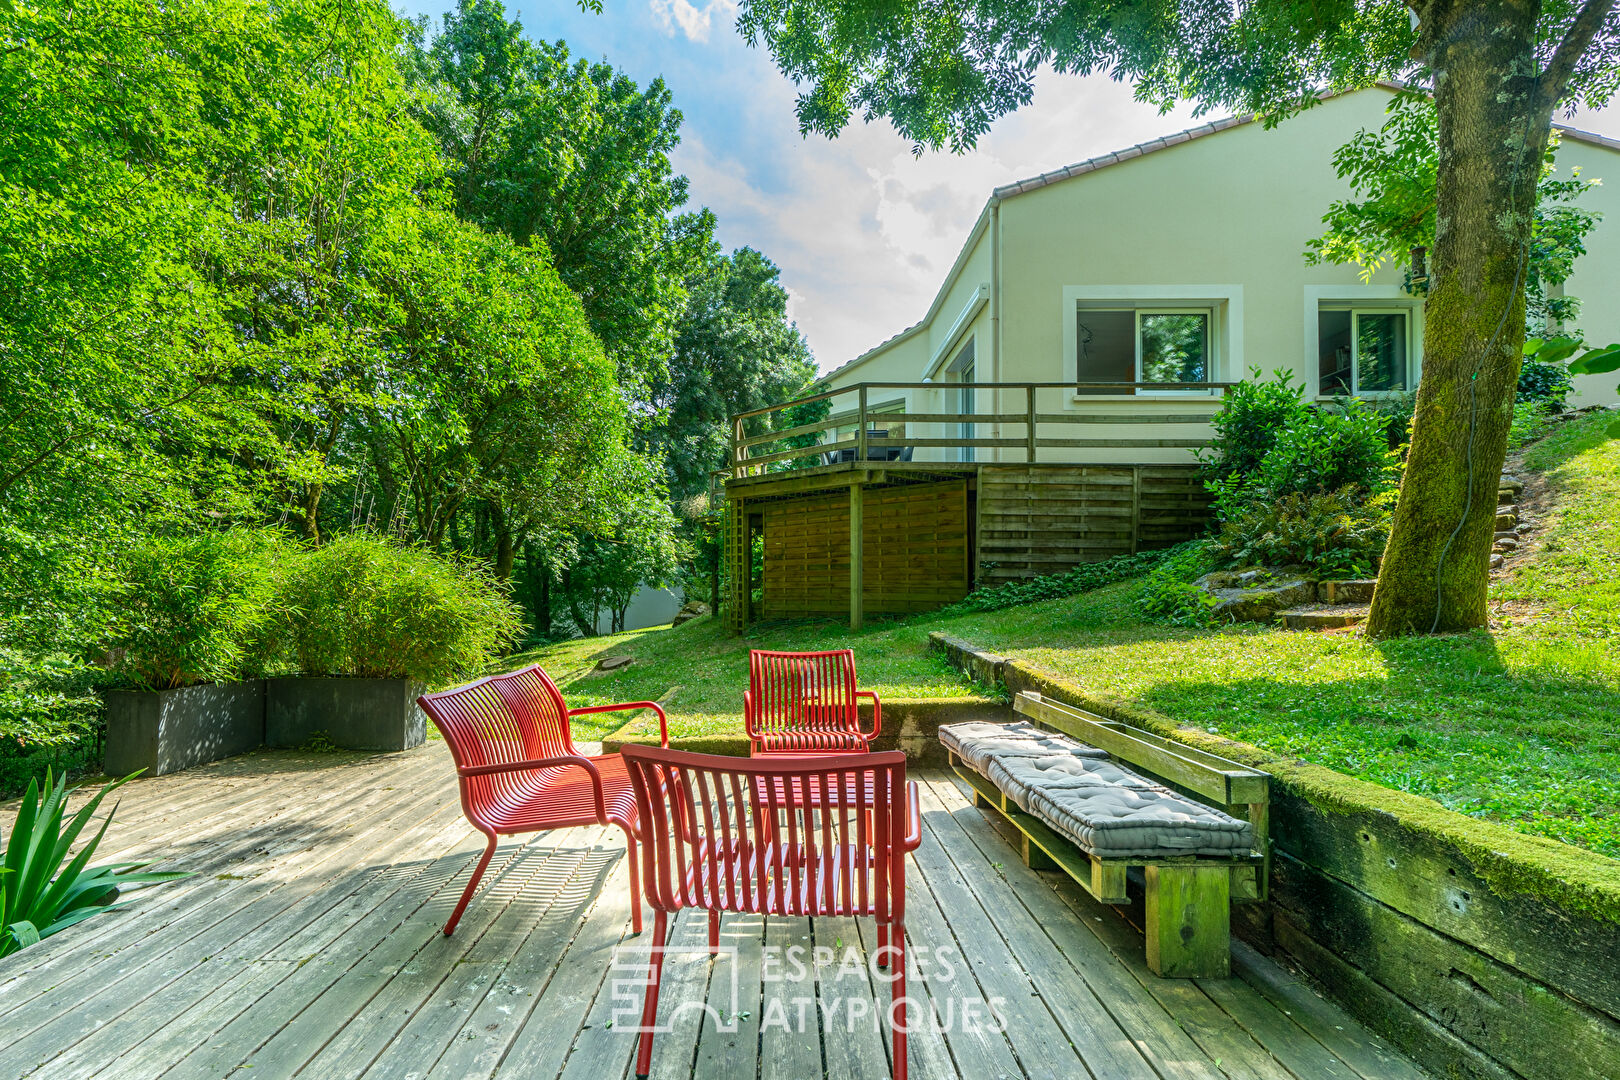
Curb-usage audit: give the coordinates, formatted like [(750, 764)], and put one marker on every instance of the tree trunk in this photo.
[(505, 546), (1494, 126), (714, 575), (542, 603), (312, 512)]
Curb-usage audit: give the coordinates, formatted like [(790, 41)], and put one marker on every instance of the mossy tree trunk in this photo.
[(1495, 110)]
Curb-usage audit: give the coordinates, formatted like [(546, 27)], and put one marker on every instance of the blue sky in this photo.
[(863, 231)]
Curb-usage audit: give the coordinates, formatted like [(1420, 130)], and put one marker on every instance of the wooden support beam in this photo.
[(857, 581), (1188, 928)]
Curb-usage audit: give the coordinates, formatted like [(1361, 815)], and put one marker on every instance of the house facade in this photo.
[(1047, 409), (1181, 260)]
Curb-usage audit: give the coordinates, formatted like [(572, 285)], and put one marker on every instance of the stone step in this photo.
[(1349, 591), (1323, 617), (1506, 519)]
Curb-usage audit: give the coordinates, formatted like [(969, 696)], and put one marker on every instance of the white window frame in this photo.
[(1368, 300), (1222, 303)]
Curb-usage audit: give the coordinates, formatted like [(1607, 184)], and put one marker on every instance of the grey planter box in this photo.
[(356, 714), (163, 731)]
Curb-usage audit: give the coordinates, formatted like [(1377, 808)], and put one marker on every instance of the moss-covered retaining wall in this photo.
[(909, 724), (1480, 951)]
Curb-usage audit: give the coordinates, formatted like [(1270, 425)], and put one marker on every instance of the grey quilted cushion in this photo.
[(977, 741), (1111, 820), (1018, 776), (1084, 796)]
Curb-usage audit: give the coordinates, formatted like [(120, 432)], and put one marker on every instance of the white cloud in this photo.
[(863, 230), (689, 19)]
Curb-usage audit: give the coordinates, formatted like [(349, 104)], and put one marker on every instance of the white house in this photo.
[(1180, 259)]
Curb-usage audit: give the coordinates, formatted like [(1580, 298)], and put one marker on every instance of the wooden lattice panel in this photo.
[(915, 539)]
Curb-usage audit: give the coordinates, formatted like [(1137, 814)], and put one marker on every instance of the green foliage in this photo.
[(50, 717), (1328, 450), (1335, 534), (1169, 594), (1253, 414), (39, 896), (362, 606), (1530, 422), (190, 609), (572, 157), (1080, 579), (1543, 384), (1314, 451)]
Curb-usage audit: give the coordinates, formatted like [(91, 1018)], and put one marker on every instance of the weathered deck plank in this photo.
[(311, 947)]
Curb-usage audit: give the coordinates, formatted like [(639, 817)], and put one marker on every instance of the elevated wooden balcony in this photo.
[(871, 509)]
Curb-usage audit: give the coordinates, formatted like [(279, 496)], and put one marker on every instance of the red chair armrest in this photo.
[(914, 826), (467, 772), (877, 714), (663, 721), (748, 716)]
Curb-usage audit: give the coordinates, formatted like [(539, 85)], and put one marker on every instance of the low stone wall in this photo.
[(909, 724), (1480, 951)]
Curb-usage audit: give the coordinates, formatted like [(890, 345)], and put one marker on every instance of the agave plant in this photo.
[(38, 895)]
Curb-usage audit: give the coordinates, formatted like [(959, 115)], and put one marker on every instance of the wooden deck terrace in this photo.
[(307, 944)]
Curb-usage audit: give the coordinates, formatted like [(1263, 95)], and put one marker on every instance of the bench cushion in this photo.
[(977, 741), (1103, 808)]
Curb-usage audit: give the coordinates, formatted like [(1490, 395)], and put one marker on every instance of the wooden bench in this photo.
[(1188, 897)]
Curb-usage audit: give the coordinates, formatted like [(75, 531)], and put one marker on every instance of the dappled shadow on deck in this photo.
[(309, 943)]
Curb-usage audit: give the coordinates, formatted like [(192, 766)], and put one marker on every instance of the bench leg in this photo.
[(1188, 921), (1033, 856), (983, 803)]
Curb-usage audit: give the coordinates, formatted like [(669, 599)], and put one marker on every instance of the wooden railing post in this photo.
[(857, 552), (1029, 421), (739, 452), (860, 432)]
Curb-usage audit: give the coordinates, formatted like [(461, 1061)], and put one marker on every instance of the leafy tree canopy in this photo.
[(573, 156)]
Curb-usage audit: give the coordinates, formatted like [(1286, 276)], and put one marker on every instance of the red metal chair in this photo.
[(806, 703), (519, 769), (850, 820)]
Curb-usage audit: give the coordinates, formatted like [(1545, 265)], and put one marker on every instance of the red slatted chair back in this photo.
[(500, 720), (785, 836), (804, 700)]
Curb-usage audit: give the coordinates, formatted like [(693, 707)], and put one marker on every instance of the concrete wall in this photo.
[(1219, 220)]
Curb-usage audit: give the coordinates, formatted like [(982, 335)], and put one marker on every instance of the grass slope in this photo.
[(1520, 724)]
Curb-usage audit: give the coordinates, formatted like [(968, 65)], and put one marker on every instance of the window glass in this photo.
[(1175, 347), (1380, 351), (1107, 347), (1333, 345)]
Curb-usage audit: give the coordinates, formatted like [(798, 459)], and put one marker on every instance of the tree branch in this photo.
[(1577, 38)]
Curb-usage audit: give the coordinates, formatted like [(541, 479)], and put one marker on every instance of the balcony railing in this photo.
[(807, 444)]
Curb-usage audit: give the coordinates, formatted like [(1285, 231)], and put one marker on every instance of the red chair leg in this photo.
[(649, 1011), (635, 882), (472, 884), (883, 944), (714, 930), (897, 1002)]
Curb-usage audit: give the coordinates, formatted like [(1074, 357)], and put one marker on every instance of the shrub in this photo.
[(1246, 428), (1319, 452), (1169, 594), (50, 717), (364, 607), (188, 609), (40, 896), (1337, 534), (1530, 421), (1082, 578), (1544, 384)]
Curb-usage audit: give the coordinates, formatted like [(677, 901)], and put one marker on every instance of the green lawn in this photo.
[(1520, 724)]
